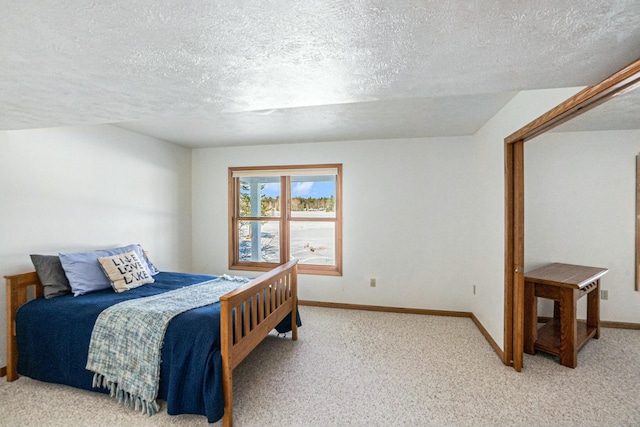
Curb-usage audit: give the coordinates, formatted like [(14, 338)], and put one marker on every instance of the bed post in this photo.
[(17, 286), (243, 326), (294, 301), (12, 354), (226, 343)]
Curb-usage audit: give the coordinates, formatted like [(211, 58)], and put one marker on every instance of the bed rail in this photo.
[(248, 314), (17, 294)]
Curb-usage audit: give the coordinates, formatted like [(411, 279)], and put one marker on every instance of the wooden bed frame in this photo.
[(247, 315)]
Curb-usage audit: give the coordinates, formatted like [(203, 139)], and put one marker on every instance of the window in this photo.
[(280, 213)]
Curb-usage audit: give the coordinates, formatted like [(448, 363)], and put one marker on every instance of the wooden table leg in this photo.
[(556, 310), (530, 317), (568, 329), (593, 309)]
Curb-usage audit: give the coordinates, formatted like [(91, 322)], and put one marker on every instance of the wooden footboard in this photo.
[(247, 316)]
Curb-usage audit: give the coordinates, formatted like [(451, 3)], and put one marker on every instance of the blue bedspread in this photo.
[(53, 342)]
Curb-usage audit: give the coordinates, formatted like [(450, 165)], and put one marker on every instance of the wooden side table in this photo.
[(563, 335)]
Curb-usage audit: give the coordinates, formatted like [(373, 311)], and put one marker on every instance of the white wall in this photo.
[(447, 192), (423, 216), (486, 262), (406, 218), (84, 188), (580, 209)]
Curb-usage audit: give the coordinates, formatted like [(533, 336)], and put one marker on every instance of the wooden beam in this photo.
[(385, 309), (487, 336), (518, 254), (637, 269), (508, 255), (591, 96)]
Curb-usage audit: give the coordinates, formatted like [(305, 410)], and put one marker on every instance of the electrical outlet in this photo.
[(372, 282), (604, 294)]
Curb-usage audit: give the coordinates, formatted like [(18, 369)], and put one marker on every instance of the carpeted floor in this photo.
[(362, 368)]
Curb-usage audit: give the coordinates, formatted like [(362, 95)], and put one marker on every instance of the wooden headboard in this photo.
[(17, 287)]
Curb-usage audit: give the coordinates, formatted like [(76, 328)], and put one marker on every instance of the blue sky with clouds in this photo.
[(303, 189)]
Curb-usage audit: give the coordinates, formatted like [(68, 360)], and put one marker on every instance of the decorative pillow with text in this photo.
[(84, 272), (125, 271)]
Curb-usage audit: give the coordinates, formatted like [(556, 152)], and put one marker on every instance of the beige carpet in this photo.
[(382, 369)]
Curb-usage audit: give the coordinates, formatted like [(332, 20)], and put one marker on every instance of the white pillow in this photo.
[(125, 271)]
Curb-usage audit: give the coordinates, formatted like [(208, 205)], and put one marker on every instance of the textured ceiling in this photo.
[(204, 73), (384, 119)]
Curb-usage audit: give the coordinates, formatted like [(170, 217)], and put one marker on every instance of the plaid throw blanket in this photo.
[(126, 342)]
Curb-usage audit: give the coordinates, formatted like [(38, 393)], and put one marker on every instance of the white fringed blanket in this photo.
[(126, 342)]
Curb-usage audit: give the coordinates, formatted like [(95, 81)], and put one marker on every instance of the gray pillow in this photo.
[(51, 275)]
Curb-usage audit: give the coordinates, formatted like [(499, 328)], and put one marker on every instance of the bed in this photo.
[(201, 346)]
